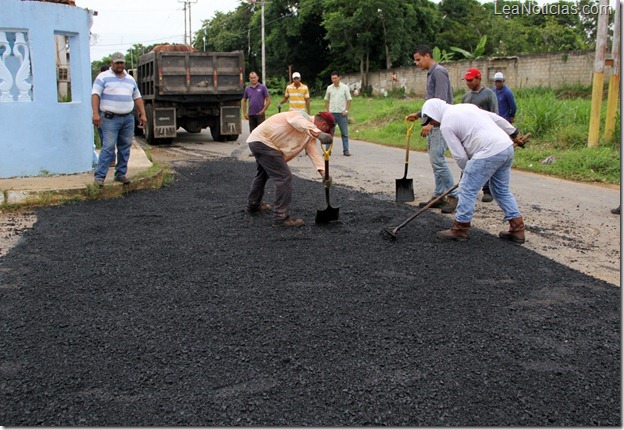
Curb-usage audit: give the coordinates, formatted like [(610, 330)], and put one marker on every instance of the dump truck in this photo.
[(184, 87)]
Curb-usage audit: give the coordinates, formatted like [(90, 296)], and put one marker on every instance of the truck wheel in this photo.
[(149, 127), (215, 131)]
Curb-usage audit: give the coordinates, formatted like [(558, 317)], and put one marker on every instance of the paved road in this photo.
[(567, 221)]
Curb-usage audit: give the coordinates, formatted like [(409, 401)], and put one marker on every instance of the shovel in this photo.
[(329, 214), (404, 186), (391, 233)]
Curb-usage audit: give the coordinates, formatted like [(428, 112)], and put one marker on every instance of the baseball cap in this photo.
[(329, 119), (118, 57), (296, 75), (425, 119), (472, 73), (498, 76)]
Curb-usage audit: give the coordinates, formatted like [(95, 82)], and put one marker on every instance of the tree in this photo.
[(225, 31)]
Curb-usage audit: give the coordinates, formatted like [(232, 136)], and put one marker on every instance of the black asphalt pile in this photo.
[(174, 307)]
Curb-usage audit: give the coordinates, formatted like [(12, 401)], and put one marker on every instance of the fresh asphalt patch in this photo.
[(174, 307)]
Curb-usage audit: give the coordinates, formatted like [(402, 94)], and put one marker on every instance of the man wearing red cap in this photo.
[(274, 143), (486, 99)]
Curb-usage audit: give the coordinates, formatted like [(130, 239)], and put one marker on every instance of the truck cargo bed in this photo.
[(191, 75)]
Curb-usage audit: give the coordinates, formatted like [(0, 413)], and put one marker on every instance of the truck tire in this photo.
[(215, 131), (138, 131), (149, 127)]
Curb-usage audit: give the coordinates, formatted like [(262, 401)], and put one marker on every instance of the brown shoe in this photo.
[(289, 222), (516, 231), (264, 207), (459, 231), (438, 204), (450, 206), (122, 179)]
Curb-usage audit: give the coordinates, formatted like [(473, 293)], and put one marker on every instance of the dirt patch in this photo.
[(12, 228)]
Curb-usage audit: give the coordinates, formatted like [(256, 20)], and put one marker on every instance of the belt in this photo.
[(117, 114)]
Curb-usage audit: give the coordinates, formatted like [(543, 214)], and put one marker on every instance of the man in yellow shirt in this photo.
[(297, 95)]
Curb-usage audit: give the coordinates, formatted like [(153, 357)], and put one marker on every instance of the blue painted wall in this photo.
[(42, 136)]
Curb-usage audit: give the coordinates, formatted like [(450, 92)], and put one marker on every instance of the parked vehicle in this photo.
[(183, 87)]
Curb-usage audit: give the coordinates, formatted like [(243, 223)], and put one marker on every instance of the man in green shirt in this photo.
[(338, 102)]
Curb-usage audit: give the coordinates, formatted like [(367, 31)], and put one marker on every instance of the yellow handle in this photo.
[(327, 152), (409, 128)]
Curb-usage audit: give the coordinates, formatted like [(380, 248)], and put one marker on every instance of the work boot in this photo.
[(289, 222), (487, 197), (263, 207), (122, 179), (459, 231), (98, 182), (439, 204), (616, 211), (516, 231), (450, 206)]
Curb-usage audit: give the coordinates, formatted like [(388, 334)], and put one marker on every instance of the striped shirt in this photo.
[(297, 96), (117, 95), (289, 133)]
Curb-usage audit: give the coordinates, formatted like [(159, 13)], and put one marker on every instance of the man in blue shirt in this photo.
[(506, 101)]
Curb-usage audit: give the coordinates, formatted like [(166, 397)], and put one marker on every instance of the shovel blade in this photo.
[(404, 190), (327, 215)]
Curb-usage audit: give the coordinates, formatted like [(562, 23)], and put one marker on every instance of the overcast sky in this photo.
[(122, 23)]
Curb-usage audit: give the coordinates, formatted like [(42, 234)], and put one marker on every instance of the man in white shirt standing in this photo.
[(338, 102), (481, 144), (114, 95)]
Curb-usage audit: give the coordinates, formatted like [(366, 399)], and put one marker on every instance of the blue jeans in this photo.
[(441, 172), (343, 124), (496, 169), (119, 131)]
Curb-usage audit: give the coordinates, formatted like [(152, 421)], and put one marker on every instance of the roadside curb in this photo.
[(31, 198)]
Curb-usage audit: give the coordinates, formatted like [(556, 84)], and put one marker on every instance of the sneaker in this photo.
[(264, 207), (98, 182), (289, 222), (347, 154), (487, 197), (122, 179), (439, 204), (450, 206)]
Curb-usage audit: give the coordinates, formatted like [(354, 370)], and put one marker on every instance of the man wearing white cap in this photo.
[(297, 94), (506, 102)]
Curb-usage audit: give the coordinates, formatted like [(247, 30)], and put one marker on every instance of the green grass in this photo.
[(557, 120)]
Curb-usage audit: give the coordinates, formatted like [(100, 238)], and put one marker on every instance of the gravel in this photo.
[(174, 307)]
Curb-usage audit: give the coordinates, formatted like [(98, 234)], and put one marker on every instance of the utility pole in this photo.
[(262, 2), (599, 63), (187, 6), (614, 80)]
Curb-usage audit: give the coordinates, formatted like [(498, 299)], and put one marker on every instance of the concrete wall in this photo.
[(524, 71), (39, 135)]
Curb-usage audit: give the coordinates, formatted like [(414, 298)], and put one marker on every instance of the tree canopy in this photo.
[(315, 37)]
